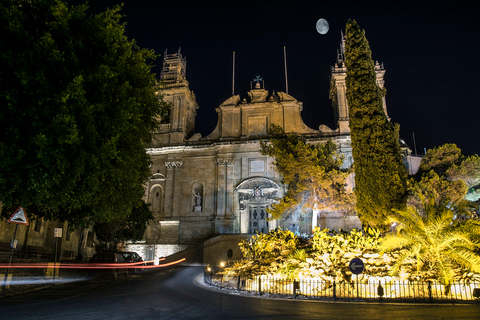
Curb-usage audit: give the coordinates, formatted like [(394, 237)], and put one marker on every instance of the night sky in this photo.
[(430, 50)]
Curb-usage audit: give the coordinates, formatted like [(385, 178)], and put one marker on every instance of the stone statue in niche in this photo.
[(198, 201)]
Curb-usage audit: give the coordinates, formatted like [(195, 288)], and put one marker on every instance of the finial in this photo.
[(257, 79)]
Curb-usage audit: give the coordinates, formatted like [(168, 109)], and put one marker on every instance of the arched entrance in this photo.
[(254, 195)]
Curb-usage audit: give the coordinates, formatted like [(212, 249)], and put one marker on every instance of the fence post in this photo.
[(334, 290), (430, 298), (296, 287), (259, 286), (238, 283)]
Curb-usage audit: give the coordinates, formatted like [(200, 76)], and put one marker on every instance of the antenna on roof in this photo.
[(414, 144), (285, 61), (233, 75)]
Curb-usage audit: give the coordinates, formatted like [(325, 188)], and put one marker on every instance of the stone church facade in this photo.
[(221, 183)]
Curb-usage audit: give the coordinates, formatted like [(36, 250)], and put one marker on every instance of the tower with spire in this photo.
[(179, 125), (338, 89)]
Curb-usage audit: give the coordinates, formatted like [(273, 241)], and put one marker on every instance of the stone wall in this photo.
[(223, 248)]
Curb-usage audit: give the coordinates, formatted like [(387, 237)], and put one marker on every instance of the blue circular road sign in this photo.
[(356, 266)]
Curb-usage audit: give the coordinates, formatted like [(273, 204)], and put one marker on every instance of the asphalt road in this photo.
[(172, 294)]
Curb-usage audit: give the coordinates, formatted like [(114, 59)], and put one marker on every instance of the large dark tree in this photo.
[(132, 227), (78, 106), (380, 176)]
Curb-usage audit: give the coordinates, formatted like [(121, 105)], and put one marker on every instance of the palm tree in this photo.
[(435, 240)]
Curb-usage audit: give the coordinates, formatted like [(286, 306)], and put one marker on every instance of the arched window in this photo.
[(155, 199)]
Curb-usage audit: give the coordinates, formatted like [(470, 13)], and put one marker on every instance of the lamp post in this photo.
[(155, 258)]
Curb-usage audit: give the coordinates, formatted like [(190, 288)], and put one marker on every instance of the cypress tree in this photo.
[(380, 176)]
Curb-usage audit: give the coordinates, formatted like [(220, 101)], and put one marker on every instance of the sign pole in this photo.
[(57, 233), (55, 261), (18, 217), (10, 258), (356, 267), (357, 286)]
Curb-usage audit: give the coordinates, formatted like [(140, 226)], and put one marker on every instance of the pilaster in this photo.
[(173, 188), (224, 203)]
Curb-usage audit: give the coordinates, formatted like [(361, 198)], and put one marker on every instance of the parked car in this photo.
[(131, 257), (105, 262)]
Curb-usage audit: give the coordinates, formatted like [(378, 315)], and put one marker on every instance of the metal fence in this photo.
[(311, 288)]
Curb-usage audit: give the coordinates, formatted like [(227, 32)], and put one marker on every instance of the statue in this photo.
[(198, 202)]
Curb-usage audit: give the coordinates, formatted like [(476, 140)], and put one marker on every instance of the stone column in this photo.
[(177, 190), (221, 187), (169, 183), (173, 188), (222, 191), (229, 173), (170, 226)]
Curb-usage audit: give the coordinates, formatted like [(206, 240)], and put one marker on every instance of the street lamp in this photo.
[(155, 257)]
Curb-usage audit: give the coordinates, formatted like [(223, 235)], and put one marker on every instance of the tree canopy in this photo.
[(312, 173), (380, 176), (78, 104), (132, 227), (445, 173)]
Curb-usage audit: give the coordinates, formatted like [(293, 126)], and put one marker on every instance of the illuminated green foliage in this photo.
[(311, 172), (276, 243), (445, 173), (435, 240), (78, 106), (380, 176), (331, 242), (327, 253)]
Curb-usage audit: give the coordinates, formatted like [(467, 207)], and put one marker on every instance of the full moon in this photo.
[(322, 26)]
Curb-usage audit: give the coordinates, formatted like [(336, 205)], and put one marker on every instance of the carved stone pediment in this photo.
[(266, 185)]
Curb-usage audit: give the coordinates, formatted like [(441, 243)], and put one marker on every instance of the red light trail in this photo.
[(51, 265)]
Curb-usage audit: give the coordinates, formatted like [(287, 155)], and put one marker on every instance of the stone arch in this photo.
[(157, 177), (257, 181), (254, 195)]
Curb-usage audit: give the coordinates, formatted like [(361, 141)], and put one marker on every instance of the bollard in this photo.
[(430, 291), (259, 286), (380, 291), (334, 290)]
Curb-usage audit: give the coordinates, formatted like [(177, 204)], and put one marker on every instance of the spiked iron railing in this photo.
[(311, 288)]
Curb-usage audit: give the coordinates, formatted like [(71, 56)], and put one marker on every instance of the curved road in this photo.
[(172, 294)]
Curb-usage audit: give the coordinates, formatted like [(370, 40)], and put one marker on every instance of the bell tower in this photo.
[(180, 123), (338, 89)]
